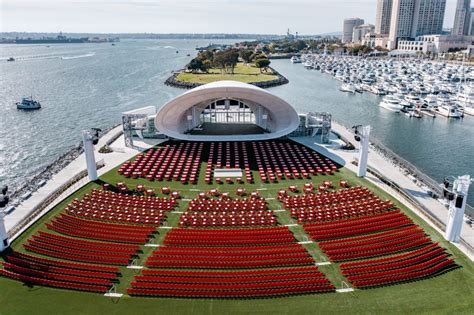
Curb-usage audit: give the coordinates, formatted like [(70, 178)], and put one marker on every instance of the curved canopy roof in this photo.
[(172, 118)]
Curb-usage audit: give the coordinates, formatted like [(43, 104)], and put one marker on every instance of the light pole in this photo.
[(90, 138), (362, 134), (4, 242), (456, 197)]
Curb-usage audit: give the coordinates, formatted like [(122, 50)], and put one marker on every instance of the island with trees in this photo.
[(244, 65)]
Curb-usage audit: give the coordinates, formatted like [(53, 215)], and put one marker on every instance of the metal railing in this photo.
[(33, 215), (427, 212), (408, 168)]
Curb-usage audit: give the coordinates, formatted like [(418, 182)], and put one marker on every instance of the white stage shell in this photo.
[(173, 118)]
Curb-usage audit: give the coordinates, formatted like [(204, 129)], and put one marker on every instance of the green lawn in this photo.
[(242, 73), (448, 293)]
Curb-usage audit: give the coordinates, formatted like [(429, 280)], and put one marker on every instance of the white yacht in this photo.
[(391, 103), (449, 111), (28, 103), (465, 99), (295, 59), (347, 87)]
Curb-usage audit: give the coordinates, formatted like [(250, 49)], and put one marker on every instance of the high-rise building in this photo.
[(348, 28), (411, 18), (401, 20), (428, 17), (383, 16), (360, 31), (462, 19)]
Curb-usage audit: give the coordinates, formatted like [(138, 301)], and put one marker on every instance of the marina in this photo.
[(426, 86)]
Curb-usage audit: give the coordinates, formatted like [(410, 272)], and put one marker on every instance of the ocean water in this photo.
[(89, 85)]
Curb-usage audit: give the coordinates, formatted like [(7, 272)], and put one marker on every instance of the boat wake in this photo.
[(78, 56)]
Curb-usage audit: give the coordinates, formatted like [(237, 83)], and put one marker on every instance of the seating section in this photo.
[(274, 160), (111, 207), (346, 203), (353, 224), (287, 160), (84, 250), (268, 262), (229, 212), (178, 162), (422, 262), (55, 273)]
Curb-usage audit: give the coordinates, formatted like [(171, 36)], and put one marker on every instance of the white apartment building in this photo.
[(436, 44), (348, 28)]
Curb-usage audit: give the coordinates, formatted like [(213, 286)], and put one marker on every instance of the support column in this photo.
[(88, 139), (364, 133), (456, 208), (4, 242)]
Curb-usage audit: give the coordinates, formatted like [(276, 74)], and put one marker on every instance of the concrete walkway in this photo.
[(110, 160), (395, 174)]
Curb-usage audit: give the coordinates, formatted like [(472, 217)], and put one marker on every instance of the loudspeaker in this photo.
[(459, 201)]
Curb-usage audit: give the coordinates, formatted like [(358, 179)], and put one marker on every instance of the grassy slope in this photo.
[(448, 293), (242, 73)]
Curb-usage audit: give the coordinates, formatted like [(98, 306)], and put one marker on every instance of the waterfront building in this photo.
[(383, 16), (348, 28), (360, 31), (436, 44), (411, 18), (462, 19)]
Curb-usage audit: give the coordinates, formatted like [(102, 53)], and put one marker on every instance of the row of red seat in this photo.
[(109, 198), (390, 279), (380, 237), (71, 245), (386, 260), (237, 204), (231, 293), (118, 217), (378, 248), (337, 213), (438, 252), (63, 264), (109, 237), (61, 270), (218, 263), (312, 270), (56, 252), (55, 276), (324, 198), (126, 248), (54, 283)]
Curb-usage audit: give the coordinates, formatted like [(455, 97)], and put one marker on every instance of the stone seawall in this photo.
[(174, 82)]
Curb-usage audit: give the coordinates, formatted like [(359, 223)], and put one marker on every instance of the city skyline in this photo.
[(207, 16)]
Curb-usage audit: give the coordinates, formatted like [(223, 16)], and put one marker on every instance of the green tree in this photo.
[(262, 63), (246, 55)]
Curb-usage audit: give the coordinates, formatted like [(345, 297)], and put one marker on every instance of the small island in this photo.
[(231, 64)]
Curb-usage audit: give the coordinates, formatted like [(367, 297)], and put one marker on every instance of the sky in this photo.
[(187, 16)]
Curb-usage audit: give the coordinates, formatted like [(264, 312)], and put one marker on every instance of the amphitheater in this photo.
[(232, 214)]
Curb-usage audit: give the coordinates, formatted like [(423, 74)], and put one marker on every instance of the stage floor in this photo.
[(222, 129)]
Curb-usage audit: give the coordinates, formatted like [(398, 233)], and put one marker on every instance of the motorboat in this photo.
[(391, 103), (295, 59), (28, 103), (347, 87), (449, 111)]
